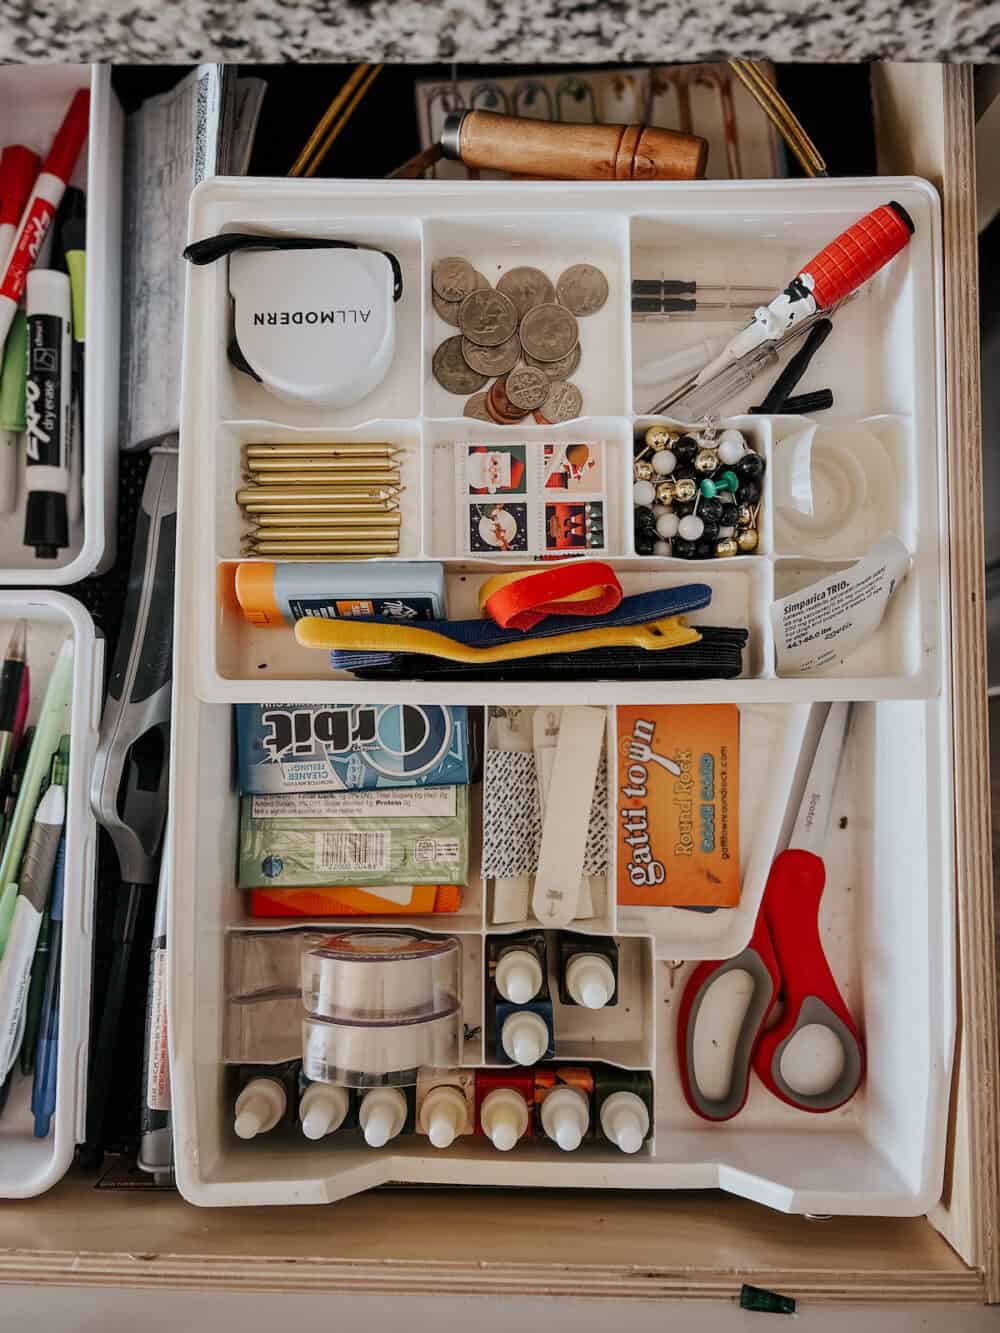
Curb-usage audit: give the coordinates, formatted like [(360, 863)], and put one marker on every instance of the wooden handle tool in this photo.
[(543, 149)]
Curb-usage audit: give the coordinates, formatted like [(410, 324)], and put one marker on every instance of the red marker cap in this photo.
[(18, 171), (68, 142)]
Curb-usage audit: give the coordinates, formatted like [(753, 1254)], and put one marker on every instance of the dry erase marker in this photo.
[(36, 881), (41, 207), (48, 412), (18, 173)]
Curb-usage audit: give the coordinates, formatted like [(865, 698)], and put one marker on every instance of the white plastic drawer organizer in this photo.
[(886, 914)]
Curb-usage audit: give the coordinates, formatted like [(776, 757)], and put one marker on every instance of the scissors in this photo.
[(786, 962)]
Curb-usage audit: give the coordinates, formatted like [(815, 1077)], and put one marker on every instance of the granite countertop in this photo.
[(553, 31)]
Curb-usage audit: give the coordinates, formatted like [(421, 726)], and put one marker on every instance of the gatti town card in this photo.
[(678, 805)]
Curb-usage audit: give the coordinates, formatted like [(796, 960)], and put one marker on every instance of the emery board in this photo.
[(567, 815)]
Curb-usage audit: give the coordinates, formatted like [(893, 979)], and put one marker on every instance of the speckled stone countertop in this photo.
[(554, 31)]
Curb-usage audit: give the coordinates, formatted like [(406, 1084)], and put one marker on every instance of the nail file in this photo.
[(511, 896), (567, 815), (545, 734)]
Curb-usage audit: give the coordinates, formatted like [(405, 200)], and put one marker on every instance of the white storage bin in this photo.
[(882, 358), (33, 101), (886, 918), (28, 1166)]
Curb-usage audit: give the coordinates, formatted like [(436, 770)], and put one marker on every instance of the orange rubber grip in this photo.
[(858, 253)]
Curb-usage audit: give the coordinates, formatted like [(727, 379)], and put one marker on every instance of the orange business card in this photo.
[(678, 805)]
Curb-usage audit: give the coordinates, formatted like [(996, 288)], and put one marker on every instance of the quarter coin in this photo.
[(492, 360), (549, 332), (452, 371), (563, 402), (527, 388), (453, 278), (487, 318), (582, 289), (526, 287), (557, 370)]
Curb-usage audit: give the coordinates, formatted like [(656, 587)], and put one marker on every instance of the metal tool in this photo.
[(786, 962), (128, 789)]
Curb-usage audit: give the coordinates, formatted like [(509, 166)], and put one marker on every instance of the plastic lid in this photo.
[(442, 1115), (255, 594), (625, 1120), (323, 1109), (259, 1107), (565, 1117), (504, 1117), (524, 1037), (382, 1115), (590, 980), (519, 975), (18, 170), (69, 139)]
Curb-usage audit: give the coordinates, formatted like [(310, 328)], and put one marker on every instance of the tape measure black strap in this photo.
[(212, 248)]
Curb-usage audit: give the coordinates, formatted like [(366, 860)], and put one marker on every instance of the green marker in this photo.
[(48, 730), (74, 239)]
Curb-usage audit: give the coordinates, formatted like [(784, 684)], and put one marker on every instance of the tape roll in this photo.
[(381, 976)]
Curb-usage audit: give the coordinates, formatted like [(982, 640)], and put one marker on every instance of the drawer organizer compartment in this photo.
[(885, 925), (886, 917), (882, 362)]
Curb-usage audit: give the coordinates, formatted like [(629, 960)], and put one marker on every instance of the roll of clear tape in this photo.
[(382, 976), (380, 1054)]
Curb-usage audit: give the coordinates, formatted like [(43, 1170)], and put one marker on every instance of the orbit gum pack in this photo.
[(350, 747)]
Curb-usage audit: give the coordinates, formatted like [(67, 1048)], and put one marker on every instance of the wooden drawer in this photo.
[(601, 1244)]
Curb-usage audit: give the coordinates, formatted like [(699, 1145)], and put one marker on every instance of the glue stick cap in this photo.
[(259, 1107), (524, 1037), (442, 1115), (565, 1117), (255, 593), (590, 980), (519, 975), (382, 1115), (504, 1117), (625, 1120), (323, 1109)]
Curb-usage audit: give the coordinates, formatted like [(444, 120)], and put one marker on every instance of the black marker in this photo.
[(48, 412)]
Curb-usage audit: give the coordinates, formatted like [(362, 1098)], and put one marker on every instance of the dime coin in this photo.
[(452, 371), (526, 287), (448, 310), (563, 402), (549, 332), (453, 278), (557, 370), (492, 360), (476, 408), (487, 318), (526, 388), (582, 289)]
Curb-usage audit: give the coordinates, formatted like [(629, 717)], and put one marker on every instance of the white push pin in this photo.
[(323, 1109), (625, 1120), (524, 1037), (259, 1107), (519, 976), (382, 1115), (565, 1117), (442, 1115), (731, 447), (590, 980), (504, 1117)]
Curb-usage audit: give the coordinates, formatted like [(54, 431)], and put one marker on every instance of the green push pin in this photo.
[(727, 482)]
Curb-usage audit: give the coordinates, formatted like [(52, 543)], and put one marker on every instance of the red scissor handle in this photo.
[(791, 913), (759, 961), (858, 253)]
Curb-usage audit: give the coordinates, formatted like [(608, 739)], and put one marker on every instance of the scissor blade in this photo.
[(812, 821)]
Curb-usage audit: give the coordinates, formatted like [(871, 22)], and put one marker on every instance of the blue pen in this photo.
[(43, 1090)]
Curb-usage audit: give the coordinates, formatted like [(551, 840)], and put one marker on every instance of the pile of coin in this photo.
[(319, 499), (522, 334), (696, 496)]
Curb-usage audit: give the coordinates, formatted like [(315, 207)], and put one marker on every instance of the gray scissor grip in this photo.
[(723, 1108)]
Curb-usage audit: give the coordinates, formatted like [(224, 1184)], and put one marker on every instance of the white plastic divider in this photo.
[(33, 101), (883, 357), (29, 1166)]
